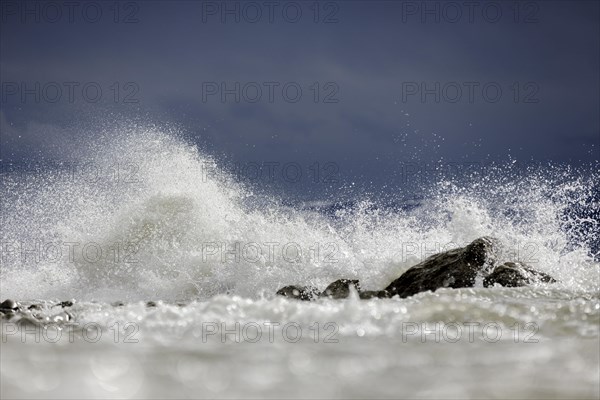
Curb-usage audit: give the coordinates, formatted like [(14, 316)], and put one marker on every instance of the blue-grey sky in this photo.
[(379, 80)]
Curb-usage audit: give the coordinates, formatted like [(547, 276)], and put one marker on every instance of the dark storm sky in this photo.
[(370, 60)]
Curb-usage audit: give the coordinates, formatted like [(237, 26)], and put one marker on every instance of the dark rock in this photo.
[(34, 307), (456, 268), (372, 294), (118, 304), (340, 289), (64, 304), (151, 304), (299, 292), (514, 275), (9, 305)]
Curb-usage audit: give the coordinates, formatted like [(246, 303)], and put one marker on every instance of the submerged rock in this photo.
[(340, 289), (373, 294), (299, 292), (457, 268), (34, 314), (8, 308), (9, 305), (514, 275), (67, 303)]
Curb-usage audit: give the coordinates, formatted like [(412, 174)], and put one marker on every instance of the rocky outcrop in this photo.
[(514, 275), (457, 268)]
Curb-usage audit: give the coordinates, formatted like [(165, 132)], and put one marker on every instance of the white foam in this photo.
[(178, 206)]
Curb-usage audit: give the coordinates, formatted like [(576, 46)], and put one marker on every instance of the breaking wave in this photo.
[(147, 215)]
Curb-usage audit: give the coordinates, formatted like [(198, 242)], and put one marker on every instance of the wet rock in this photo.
[(373, 294), (9, 305), (340, 289), (65, 304), (512, 274), (299, 292), (457, 268)]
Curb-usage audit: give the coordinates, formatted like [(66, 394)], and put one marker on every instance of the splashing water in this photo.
[(149, 216)]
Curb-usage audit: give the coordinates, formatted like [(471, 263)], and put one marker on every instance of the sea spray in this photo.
[(136, 216)]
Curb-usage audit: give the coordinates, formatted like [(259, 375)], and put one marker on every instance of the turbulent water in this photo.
[(147, 217)]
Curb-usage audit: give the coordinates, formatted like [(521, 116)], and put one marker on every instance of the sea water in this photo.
[(142, 221)]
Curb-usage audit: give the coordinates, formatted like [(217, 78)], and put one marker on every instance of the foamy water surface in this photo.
[(212, 251)]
